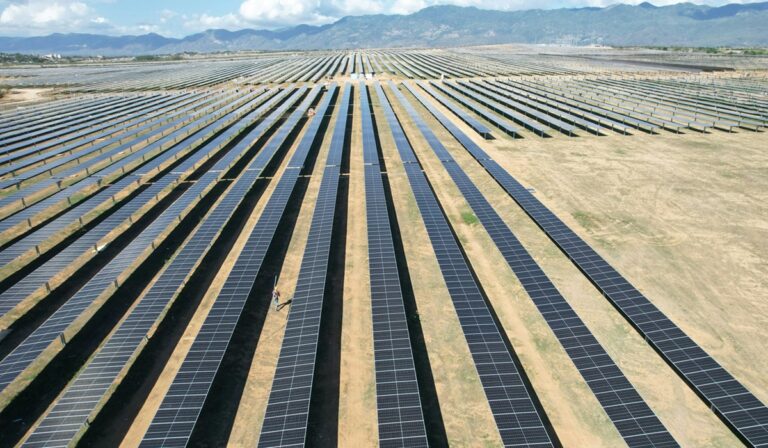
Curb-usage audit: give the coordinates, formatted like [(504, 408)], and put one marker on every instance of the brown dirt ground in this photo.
[(358, 423), (253, 404), (653, 198), (27, 95)]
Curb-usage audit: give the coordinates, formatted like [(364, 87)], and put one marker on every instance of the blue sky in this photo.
[(182, 17)]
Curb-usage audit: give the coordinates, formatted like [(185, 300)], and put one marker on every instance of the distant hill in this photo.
[(683, 24)]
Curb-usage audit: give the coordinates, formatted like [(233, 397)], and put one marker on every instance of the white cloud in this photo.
[(281, 12), (42, 12), (34, 16), (205, 21)]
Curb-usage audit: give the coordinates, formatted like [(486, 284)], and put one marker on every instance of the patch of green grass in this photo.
[(469, 218), (586, 219)]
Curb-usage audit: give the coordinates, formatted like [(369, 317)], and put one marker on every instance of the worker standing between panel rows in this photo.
[(276, 298)]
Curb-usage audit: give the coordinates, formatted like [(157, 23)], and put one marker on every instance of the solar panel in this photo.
[(51, 116), (398, 403), (739, 409), (287, 413), (58, 108), (562, 104), (63, 127), (61, 425), (174, 421), (636, 422), (512, 108), (519, 421)]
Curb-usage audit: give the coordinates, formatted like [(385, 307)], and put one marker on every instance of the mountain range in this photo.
[(683, 24)]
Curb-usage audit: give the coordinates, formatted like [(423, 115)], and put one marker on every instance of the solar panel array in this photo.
[(458, 111), (561, 119), (72, 217), (507, 109), (471, 103), (518, 419), (73, 409), (102, 284), (85, 109), (174, 421), (398, 403), (46, 161), (44, 275), (64, 130), (83, 153), (635, 421), (122, 172), (286, 417), (125, 146), (729, 399), (191, 134)]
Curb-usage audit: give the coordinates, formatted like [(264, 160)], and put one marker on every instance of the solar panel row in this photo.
[(174, 421), (33, 128), (473, 104), (512, 108), (34, 121), (635, 421), (398, 403), (58, 108), (531, 106), (563, 106), (518, 419), (583, 104), (76, 406), (728, 398), (286, 417)]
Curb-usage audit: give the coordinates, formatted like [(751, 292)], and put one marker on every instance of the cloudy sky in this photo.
[(182, 17)]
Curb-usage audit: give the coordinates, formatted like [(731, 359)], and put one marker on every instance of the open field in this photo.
[(504, 245)]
